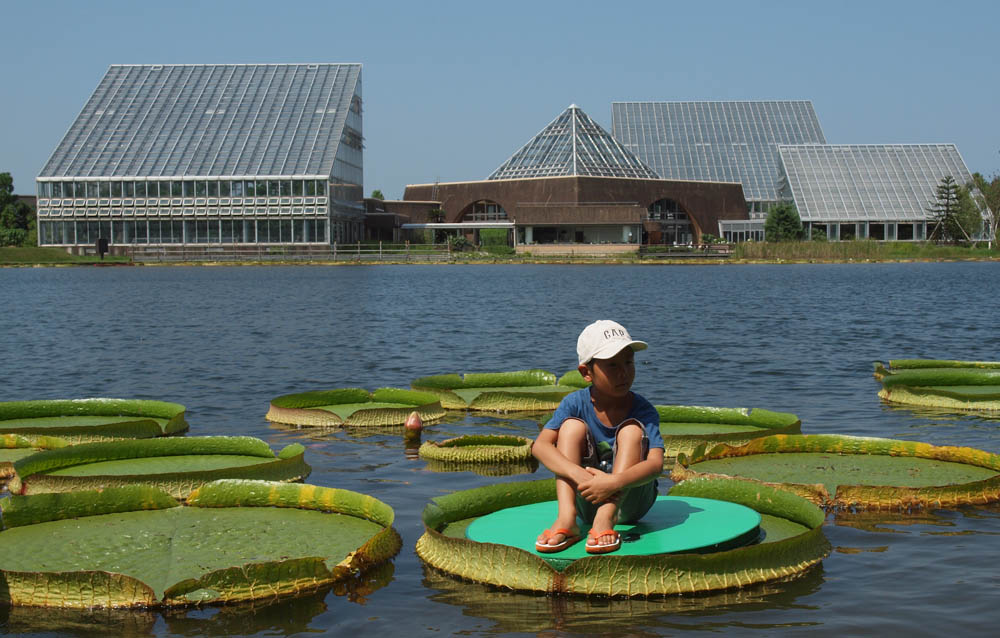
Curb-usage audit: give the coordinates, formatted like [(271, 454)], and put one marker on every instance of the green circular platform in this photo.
[(675, 524)]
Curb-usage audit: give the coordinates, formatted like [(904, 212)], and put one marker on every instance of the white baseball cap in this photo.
[(604, 339)]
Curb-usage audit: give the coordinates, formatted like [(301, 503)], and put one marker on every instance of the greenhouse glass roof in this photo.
[(858, 182), (716, 141), (210, 120), (572, 144)]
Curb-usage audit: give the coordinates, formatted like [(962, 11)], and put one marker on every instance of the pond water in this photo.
[(797, 338)]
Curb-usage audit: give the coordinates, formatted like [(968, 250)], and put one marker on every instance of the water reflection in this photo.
[(285, 616), (527, 613)]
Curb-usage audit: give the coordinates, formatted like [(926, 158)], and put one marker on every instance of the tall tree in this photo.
[(783, 223), (17, 219), (986, 193), (946, 211), (377, 194)]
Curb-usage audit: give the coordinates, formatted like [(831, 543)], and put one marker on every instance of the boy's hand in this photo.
[(600, 487)]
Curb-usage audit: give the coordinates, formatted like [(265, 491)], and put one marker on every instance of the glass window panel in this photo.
[(92, 189), (286, 188), (104, 188), (176, 190), (188, 188), (272, 188), (297, 188), (200, 188), (212, 189), (128, 189), (116, 189)]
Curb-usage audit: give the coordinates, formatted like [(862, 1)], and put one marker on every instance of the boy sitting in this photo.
[(603, 444)]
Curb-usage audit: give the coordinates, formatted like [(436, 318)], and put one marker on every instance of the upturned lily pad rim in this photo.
[(860, 496), (235, 584), (966, 385), (473, 380), (301, 408), (528, 391), (145, 412), (287, 465), (611, 574), (896, 365), (470, 448)]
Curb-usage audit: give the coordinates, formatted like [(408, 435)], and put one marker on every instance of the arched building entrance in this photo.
[(668, 223)]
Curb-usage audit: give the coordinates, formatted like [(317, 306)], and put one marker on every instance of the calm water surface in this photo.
[(224, 341)]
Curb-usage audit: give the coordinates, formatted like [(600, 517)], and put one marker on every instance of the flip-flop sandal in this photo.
[(569, 538), (596, 548)]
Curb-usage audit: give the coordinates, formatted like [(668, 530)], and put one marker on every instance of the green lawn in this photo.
[(37, 255)]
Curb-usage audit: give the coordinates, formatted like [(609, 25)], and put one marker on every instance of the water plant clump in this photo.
[(354, 406), (136, 546), (175, 465), (858, 473), (958, 385), (488, 454), (790, 543), (83, 420), (517, 391)]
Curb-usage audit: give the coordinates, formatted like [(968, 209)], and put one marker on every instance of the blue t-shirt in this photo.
[(577, 405)]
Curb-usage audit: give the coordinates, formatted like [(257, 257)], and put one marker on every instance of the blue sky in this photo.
[(452, 89)]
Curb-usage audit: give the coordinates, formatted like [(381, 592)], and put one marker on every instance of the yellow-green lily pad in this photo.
[(838, 471), (136, 546), (518, 391), (790, 546), (956, 385), (354, 406), (82, 420), (176, 465)]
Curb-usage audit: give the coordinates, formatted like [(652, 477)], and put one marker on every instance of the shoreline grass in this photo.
[(748, 253)]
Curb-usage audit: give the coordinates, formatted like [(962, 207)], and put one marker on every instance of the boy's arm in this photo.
[(601, 486), (544, 449)]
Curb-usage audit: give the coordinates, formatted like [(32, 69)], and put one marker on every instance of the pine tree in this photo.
[(783, 223), (944, 211)]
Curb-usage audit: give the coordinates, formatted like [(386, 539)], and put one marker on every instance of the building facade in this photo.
[(574, 185), (207, 154), (868, 191)]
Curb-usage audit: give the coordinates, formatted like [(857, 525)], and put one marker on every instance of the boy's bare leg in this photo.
[(572, 435), (629, 453)]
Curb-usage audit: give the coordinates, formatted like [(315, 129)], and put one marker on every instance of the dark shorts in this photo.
[(633, 503)]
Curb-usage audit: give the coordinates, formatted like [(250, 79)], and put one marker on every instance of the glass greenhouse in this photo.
[(210, 154)]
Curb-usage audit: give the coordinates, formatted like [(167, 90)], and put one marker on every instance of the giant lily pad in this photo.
[(792, 542), (685, 427), (960, 385), (136, 546), (80, 420), (520, 391), (354, 406), (858, 472), (176, 465), (488, 454)]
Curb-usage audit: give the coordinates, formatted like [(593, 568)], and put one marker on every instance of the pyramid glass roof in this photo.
[(876, 182), (572, 144), (210, 120), (716, 141)]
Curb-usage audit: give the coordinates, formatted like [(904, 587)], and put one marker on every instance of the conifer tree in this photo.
[(944, 211)]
